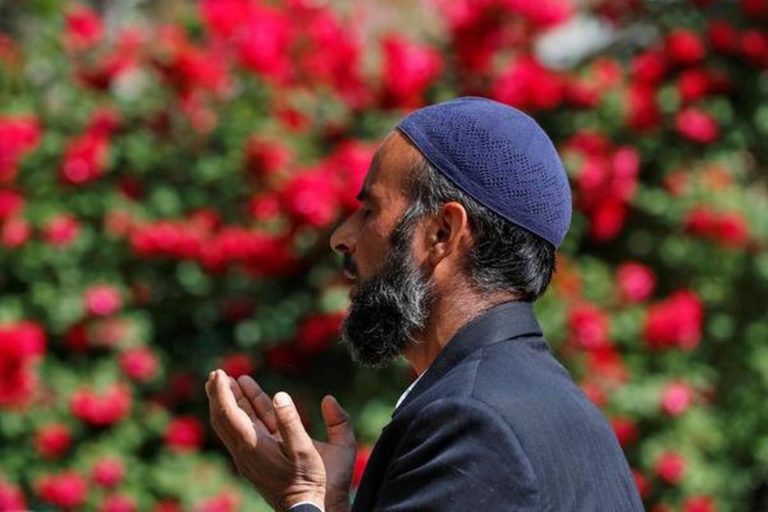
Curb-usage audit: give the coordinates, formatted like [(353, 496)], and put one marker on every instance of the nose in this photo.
[(342, 239)]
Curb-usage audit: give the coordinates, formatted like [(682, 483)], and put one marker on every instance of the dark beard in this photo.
[(390, 307)]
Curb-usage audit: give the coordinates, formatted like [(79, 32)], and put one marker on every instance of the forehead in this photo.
[(389, 168)]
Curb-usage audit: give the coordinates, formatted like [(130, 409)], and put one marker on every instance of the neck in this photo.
[(450, 313)]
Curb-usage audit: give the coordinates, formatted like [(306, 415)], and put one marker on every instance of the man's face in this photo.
[(392, 293)]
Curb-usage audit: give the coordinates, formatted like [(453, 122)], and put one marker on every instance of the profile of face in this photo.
[(393, 295)]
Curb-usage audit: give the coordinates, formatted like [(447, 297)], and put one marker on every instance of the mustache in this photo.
[(348, 266)]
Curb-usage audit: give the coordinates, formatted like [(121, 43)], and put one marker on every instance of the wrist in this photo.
[(337, 501), (315, 498)]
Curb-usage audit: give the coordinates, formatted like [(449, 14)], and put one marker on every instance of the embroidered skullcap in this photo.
[(500, 157)]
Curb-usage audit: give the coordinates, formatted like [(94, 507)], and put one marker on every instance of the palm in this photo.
[(339, 462), (338, 454)]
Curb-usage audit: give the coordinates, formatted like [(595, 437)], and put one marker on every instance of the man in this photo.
[(462, 210)]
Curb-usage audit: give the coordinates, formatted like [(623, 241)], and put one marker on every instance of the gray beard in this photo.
[(390, 307)]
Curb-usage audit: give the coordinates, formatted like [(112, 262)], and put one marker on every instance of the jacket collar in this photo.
[(501, 322)]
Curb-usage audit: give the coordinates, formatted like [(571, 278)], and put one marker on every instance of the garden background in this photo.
[(170, 172)]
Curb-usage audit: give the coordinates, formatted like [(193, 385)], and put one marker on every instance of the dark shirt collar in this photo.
[(501, 322)]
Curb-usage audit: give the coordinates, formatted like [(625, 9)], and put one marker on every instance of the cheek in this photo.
[(372, 247)]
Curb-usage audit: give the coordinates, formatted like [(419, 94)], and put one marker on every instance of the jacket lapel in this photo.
[(501, 322)]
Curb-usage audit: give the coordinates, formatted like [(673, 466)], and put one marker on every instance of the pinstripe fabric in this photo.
[(496, 423)]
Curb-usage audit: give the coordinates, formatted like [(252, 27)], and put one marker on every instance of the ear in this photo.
[(447, 232)]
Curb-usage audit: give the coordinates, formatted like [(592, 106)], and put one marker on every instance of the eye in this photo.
[(366, 212)]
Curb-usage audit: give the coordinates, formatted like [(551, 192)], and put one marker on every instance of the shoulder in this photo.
[(456, 445)]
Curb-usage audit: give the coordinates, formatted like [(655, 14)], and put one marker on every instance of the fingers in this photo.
[(227, 418), (262, 404), (241, 399), (337, 423), (295, 438)]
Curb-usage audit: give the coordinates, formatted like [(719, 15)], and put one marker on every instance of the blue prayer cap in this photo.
[(500, 157)]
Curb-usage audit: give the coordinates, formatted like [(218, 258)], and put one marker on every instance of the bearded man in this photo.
[(461, 213)]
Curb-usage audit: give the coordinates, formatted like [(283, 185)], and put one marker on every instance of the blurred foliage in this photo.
[(170, 173)]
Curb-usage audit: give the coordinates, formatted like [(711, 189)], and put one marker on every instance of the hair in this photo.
[(504, 257)]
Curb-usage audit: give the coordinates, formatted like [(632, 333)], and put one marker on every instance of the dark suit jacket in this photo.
[(496, 423)]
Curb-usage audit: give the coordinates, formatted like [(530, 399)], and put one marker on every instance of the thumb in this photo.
[(295, 438), (337, 423)]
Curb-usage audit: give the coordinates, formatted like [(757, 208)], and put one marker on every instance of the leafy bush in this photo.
[(167, 191)]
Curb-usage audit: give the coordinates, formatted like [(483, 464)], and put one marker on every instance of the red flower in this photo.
[(361, 460), (685, 47), (84, 28), (607, 181), (699, 503), (408, 71), (676, 398), (589, 327), (111, 331), (642, 483), (754, 46), (85, 158), (237, 364), (15, 232), (723, 36), (636, 282), (104, 121), (118, 503), (693, 84), (607, 365), (167, 506), (731, 230), (594, 392), (753, 9), (349, 162), (100, 409), (224, 18), (310, 198), (102, 300), (285, 358), (21, 346), (529, 86), (123, 57), (670, 467), (65, 490), (11, 203), (697, 125), (265, 157), (625, 430), (649, 68), (264, 207), (108, 471), (61, 230), (675, 322), (18, 136), (338, 64), (140, 364), (607, 219), (11, 497), (227, 501), (642, 111), (316, 333), (187, 68), (53, 440), (264, 41), (292, 119), (184, 434), (700, 221)]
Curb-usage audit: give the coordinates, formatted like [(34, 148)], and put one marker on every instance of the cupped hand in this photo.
[(252, 417), (278, 457), (338, 454)]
